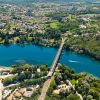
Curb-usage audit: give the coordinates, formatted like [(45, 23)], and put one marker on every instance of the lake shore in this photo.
[(5, 68)]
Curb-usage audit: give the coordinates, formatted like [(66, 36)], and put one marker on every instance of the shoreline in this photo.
[(5, 68), (89, 74)]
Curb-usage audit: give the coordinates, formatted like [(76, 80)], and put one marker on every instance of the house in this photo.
[(11, 32), (28, 93), (17, 94), (2, 24), (86, 19), (61, 88), (22, 90), (38, 70), (45, 41), (82, 26)]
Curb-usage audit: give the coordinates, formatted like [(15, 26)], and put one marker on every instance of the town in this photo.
[(69, 29), (44, 25), (26, 81)]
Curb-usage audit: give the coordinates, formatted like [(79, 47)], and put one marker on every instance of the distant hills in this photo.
[(31, 1)]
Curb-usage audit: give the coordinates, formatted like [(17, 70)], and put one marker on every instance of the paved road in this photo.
[(79, 95), (50, 74), (5, 76), (45, 88), (54, 64), (12, 85)]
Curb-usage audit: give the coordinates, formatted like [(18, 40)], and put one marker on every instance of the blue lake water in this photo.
[(44, 55)]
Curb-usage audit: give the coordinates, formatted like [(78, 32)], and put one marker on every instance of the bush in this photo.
[(73, 97)]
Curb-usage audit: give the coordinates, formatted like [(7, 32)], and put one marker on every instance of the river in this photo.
[(33, 54)]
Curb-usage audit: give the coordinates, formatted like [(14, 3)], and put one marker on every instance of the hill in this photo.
[(31, 1)]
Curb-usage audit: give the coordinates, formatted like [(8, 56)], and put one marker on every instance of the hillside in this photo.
[(31, 1)]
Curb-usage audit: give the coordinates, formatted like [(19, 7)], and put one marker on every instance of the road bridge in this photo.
[(57, 57), (50, 74)]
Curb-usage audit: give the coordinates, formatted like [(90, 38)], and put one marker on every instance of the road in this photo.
[(79, 95), (54, 64), (50, 74), (45, 88), (1, 84), (5, 76), (1, 89)]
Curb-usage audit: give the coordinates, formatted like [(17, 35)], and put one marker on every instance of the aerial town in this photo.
[(49, 50)]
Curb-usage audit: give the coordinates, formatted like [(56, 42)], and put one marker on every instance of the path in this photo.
[(1, 89), (45, 88)]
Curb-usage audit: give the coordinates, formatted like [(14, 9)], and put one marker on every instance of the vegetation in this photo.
[(25, 82), (82, 24), (45, 24), (26, 75), (86, 85)]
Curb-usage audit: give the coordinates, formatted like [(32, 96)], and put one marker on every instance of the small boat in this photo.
[(73, 61)]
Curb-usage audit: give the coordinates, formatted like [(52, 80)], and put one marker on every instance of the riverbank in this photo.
[(83, 51), (2, 68)]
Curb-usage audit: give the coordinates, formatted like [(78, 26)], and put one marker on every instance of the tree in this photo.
[(58, 79), (73, 97), (28, 74), (44, 68), (6, 40), (8, 80), (22, 76), (53, 85)]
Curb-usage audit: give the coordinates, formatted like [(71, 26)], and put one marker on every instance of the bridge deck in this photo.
[(53, 67), (54, 64)]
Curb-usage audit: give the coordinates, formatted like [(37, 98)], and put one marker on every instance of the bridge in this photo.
[(55, 62), (50, 74)]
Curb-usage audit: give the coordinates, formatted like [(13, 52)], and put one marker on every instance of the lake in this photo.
[(33, 54)]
